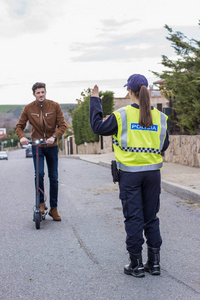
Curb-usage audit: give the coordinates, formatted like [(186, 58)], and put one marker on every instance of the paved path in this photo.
[(177, 179), (82, 257)]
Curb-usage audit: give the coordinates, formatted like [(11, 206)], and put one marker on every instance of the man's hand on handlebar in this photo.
[(50, 140), (24, 141)]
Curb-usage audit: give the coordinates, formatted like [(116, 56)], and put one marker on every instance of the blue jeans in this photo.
[(51, 155)]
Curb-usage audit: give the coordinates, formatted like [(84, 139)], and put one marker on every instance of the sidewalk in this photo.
[(177, 179)]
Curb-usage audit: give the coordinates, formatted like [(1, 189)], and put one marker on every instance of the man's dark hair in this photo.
[(38, 85)]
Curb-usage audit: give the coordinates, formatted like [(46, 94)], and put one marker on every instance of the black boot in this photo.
[(152, 265), (135, 268)]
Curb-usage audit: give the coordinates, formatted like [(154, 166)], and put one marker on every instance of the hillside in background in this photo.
[(7, 108), (9, 114)]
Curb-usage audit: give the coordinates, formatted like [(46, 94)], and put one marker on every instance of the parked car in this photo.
[(3, 155), (24, 146), (29, 151)]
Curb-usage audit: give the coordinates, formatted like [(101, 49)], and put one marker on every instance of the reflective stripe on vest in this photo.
[(163, 129), (122, 112), (137, 149), (139, 168)]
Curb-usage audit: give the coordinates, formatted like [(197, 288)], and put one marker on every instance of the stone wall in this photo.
[(184, 150), (103, 146)]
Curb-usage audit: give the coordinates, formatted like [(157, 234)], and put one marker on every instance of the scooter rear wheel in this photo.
[(37, 220)]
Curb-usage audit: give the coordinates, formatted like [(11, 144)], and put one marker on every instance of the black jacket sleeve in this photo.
[(166, 143), (107, 127)]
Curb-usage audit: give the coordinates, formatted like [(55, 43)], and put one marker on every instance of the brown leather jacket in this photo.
[(46, 118)]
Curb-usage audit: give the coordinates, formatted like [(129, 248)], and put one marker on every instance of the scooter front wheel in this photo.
[(37, 220)]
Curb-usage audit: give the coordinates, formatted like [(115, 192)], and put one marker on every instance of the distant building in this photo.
[(122, 101), (2, 131), (156, 98), (3, 135)]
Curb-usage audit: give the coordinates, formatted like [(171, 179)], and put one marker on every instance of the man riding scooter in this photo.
[(48, 123)]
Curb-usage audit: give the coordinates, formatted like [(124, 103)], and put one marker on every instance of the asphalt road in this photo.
[(83, 256)]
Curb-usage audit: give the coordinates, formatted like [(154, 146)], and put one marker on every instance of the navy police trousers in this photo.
[(140, 196)]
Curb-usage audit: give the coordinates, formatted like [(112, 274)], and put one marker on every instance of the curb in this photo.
[(181, 191), (172, 188)]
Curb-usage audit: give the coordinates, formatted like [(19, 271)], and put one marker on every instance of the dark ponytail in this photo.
[(145, 107)]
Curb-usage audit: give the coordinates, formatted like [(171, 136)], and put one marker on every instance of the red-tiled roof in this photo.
[(161, 81)]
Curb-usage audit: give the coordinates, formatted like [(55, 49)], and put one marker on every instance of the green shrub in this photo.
[(81, 121)]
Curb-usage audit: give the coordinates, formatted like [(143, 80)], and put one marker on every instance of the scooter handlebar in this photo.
[(38, 142)]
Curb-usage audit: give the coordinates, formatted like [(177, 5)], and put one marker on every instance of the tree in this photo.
[(182, 81), (81, 124), (107, 102)]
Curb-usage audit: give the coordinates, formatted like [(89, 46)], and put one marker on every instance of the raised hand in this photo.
[(95, 91)]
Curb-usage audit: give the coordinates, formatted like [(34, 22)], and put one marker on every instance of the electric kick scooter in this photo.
[(37, 215)]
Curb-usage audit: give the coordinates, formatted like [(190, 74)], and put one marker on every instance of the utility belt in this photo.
[(114, 171)]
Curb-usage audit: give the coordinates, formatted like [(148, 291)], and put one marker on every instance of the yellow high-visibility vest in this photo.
[(138, 148)]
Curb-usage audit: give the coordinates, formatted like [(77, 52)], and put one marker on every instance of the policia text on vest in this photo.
[(136, 126)]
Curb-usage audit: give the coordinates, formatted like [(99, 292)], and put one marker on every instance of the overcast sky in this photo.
[(73, 44)]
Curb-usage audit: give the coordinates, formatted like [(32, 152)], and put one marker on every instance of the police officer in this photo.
[(139, 137)]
